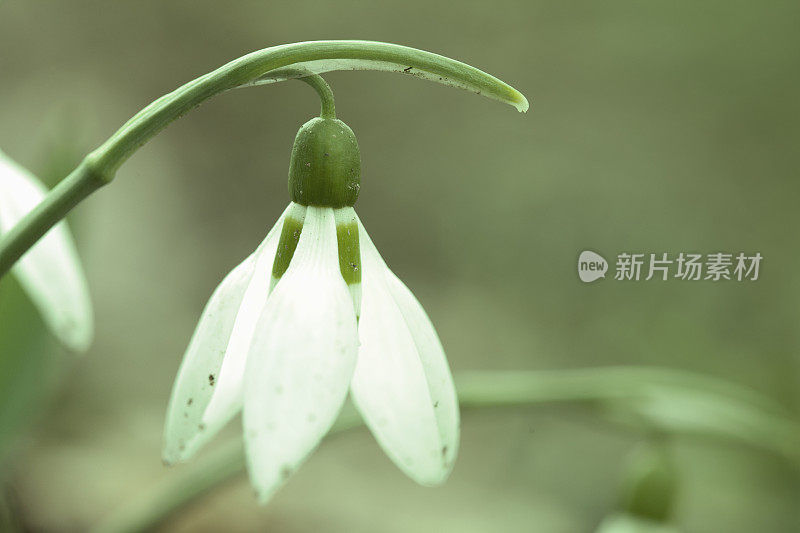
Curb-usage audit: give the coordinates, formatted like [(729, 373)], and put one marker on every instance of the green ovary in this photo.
[(325, 169)]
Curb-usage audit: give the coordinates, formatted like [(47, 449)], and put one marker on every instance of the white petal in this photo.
[(402, 384), (50, 272), (198, 379), (434, 364), (227, 399), (197, 375), (301, 360)]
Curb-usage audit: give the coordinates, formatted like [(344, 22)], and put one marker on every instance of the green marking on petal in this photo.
[(650, 483), (290, 235), (349, 251)]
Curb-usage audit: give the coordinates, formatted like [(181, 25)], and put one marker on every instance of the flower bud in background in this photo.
[(647, 494), (31, 365), (50, 272)]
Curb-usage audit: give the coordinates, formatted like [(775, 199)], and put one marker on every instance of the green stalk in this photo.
[(318, 83), (67, 194), (264, 66), (647, 399)]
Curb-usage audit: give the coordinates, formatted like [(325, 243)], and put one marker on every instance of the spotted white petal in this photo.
[(301, 360), (402, 384), (50, 272), (199, 377), (227, 399)]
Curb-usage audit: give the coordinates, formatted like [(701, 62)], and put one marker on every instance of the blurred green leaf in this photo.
[(26, 364), (652, 399)]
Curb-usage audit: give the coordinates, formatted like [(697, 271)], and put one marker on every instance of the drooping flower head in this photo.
[(312, 314), (50, 272)]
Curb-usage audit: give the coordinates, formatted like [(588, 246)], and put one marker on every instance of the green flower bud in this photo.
[(325, 169), (651, 484)]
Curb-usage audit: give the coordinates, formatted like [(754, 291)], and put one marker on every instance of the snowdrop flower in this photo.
[(50, 271), (312, 314)]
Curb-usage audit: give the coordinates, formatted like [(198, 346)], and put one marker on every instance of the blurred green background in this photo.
[(654, 127)]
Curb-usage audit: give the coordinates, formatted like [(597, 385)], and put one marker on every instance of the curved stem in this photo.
[(264, 66), (215, 470), (327, 105), (67, 194), (708, 403)]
